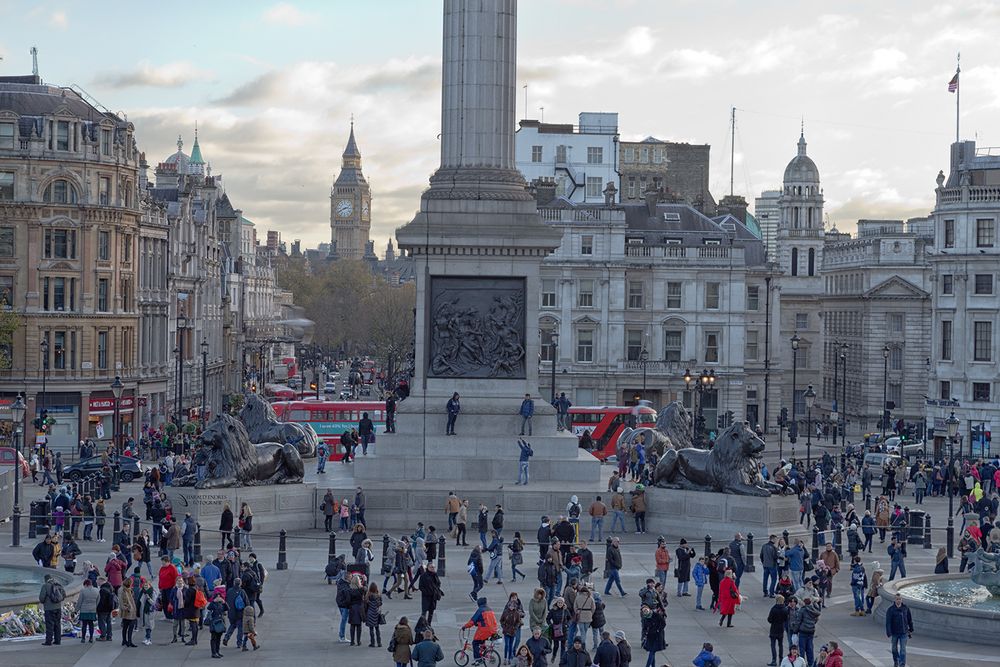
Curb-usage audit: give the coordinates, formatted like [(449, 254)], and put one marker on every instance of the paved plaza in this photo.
[(301, 618)]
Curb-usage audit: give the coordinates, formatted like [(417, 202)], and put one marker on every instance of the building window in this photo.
[(547, 347), (674, 295), (60, 244), (947, 284), (104, 191), (595, 155), (673, 343), (984, 283), (631, 187), (712, 347), (104, 245), (980, 391), (126, 291), (753, 297), (585, 295), (6, 186), (126, 247), (59, 294), (944, 390), (59, 350), (812, 261), (548, 294), (105, 142), (982, 343), (894, 393), (102, 350), (102, 295), (587, 245), (949, 233), (946, 340), (801, 321), (985, 233), (896, 323), (712, 296), (536, 153), (896, 358), (62, 135), (795, 261), (6, 135), (585, 346), (594, 186), (60, 192), (629, 154), (6, 292), (644, 155), (659, 155), (633, 344), (635, 291), (6, 241), (561, 154), (752, 345)]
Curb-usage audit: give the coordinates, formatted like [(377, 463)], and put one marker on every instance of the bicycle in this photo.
[(490, 657)]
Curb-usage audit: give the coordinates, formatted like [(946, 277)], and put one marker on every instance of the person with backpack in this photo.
[(859, 584), (573, 511), (495, 551), (107, 602), (51, 596), (236, 602), (194, 601)]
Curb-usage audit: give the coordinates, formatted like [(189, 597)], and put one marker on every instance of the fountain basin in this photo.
[(946, 606), (19, 585)]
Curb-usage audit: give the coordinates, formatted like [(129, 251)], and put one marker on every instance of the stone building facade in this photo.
[(69, 264), (681, 169)]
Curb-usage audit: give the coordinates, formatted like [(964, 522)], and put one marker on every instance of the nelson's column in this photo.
[(477, 242)]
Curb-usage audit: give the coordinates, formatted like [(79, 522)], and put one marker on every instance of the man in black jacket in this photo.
[(613, 563), (430, 592), (566, 533), (777, 617), (498, 520), (42, 553), (544, 536), (365, 429), (576, 656), (606, 654)]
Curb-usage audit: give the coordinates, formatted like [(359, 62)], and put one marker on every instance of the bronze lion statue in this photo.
[(263, 426), (731, 466), (672, 431), (232, 460)]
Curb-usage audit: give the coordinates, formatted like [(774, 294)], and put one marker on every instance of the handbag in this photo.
[(733, 594), (381, 619), (392, 645), (218, 626), (557, 631)]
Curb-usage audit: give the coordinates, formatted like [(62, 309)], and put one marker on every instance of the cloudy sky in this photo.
[(273, 86)]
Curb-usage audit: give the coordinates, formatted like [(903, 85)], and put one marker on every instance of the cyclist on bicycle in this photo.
[(486, 625)]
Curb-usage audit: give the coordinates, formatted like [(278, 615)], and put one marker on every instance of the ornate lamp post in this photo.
[(17, 411), (179, 351), (204, 379), (810, 397), (952, 423), (843, 403), (694, 401), (794, 430), (554, 344), (44, 347), (643, 359), (116, 389), (885, 386)]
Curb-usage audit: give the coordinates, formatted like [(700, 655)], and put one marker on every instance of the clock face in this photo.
[(344, 208)]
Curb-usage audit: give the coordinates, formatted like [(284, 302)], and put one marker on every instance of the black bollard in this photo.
[(749, 559), (838, 540), (282, 553), (331, 553), (868, 502), (708, 546), (927, 531), (197, 542), (117, 527), (784, 536), (135, 526), (15, 522), (815, 544), (236, 537), (441, 564)]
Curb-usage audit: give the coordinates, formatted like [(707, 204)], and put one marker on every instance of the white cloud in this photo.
[(58, 19), (167, 75), (286, 14), (886, 60), (639, 41)]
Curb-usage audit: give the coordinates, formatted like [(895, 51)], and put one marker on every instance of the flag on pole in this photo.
[(953, 84)]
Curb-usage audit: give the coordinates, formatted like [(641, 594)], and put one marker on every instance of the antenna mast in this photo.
[(34, 60), (732, 150)]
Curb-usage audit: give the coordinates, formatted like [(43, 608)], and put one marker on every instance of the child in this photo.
[(700, 575), (345, 514), (873, 588), (250, 627), (706, 658), (822, 582)]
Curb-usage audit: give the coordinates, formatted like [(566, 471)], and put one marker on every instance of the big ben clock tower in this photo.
[(350, 206)]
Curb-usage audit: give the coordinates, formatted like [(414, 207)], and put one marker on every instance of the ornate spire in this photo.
[(180, 144), (196, 149), (352, 145)]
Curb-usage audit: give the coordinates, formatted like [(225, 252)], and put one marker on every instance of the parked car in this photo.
[(876, 460), (7, 459), (330, 388), (130, 468), (911, 448)]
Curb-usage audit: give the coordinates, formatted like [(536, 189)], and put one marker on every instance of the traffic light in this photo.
[(43, 422), (313, 386)]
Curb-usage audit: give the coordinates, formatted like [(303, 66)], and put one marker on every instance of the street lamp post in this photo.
[(44, 347), (794, 431), (885, 387), (643, 359), (810, 397), (833, 412), (17, 411), (843, 403), (554, 344), (694, 402), (116, 389), (204, 379), (179, 351), (952, 423)]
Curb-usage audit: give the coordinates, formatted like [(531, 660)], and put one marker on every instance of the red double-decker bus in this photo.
[(331, 418), (607, 423)]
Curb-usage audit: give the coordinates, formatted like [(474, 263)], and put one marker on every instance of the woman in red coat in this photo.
[(729, 597)]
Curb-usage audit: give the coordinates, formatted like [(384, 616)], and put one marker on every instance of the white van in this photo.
[(876, 460)]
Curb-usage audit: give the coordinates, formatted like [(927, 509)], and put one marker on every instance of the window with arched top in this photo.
[(812, 261), (60, 191), (795, 261)]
